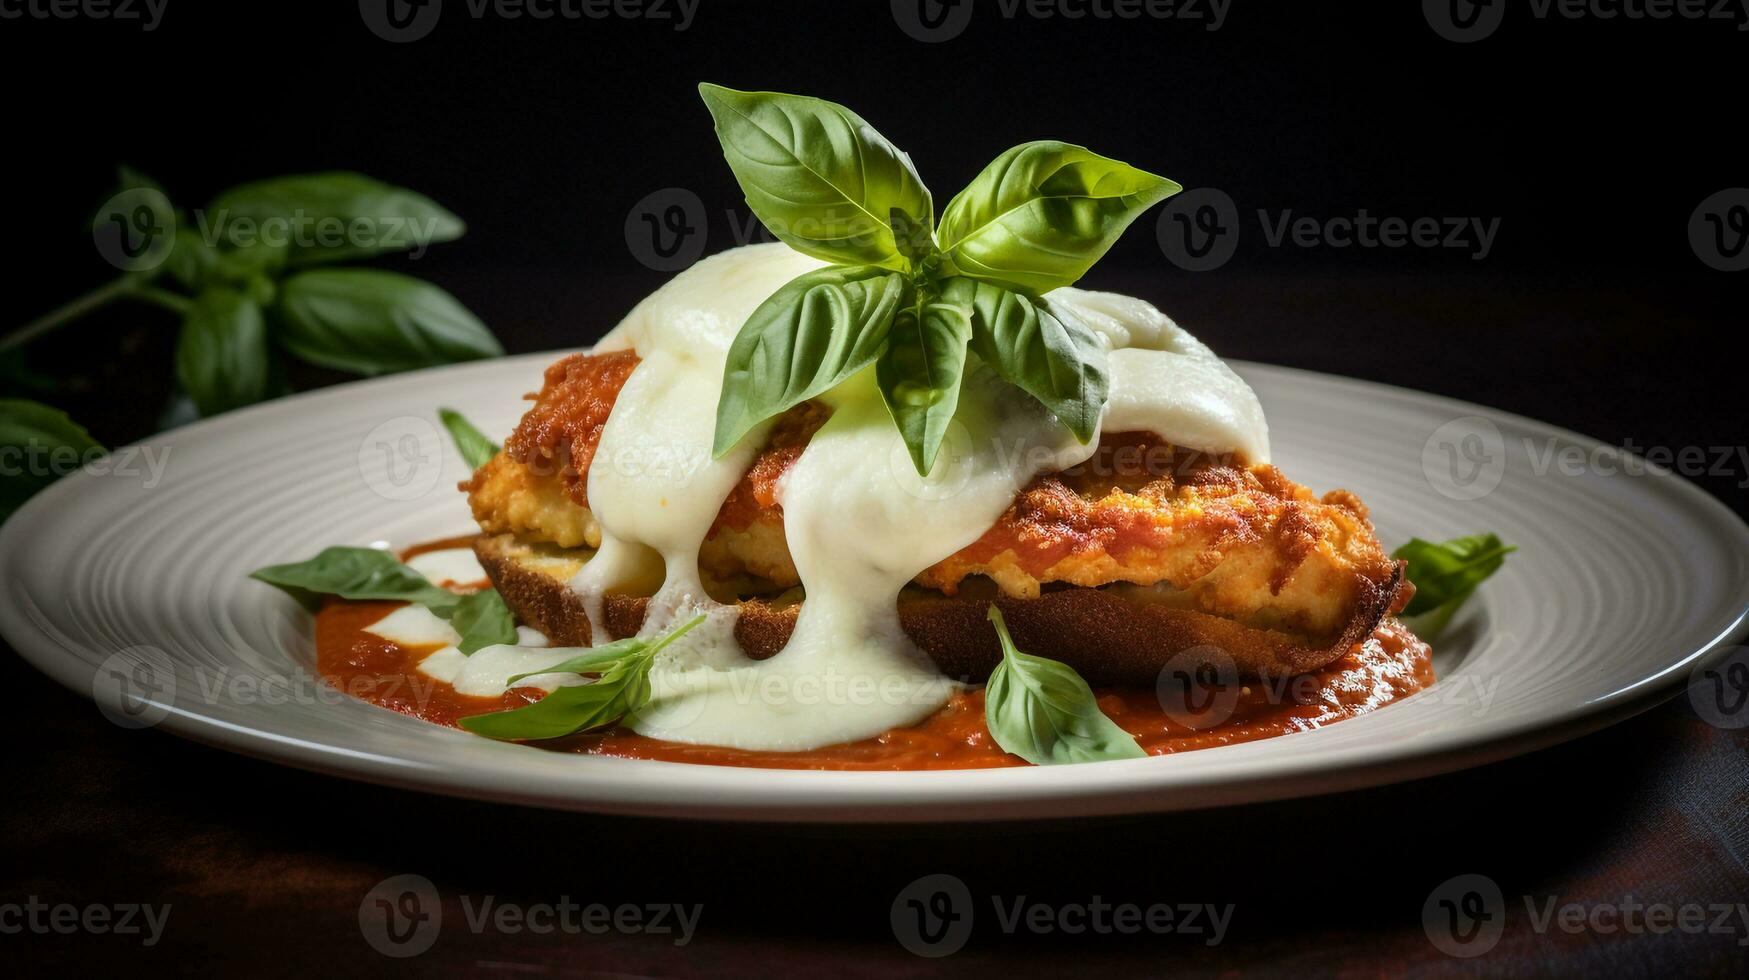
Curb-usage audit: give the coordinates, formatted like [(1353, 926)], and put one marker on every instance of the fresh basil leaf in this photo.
[(600, 659), (241, 265), (819, 329), (915, 241), (43, 443), (622, 688), (1042, 711), (1042, 213), (476, 449), (567, 710), (594, 660), (221, 354), (817, 175), (374, 322), (919, 375), (483, 619), (1039, 346), (331, 217), (191, 261), (356, 573), (1445, 574)]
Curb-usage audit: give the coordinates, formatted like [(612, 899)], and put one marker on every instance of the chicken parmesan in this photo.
[(891, 492), (1298, 579)]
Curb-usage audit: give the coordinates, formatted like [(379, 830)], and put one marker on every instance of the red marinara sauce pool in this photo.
[(1390, 665)]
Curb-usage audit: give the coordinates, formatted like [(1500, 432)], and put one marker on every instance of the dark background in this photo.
[(1592, 141)]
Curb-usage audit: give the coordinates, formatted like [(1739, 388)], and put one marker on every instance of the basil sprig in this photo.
[(402, 219), (36, 433), (482, 618), (1445, 574), (621, 689), (906, 298), (475, 448), (811, 335), (355, 573), (818, 176), (1041, 214), (1040, 347), (1042, 711), (919, 374), (368, 321), (252, 275), (222, 355)]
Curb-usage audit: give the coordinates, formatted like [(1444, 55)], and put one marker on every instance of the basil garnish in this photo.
[(592, 660), (818, 176), (1445, 575), (825, 182), (622, 688), (476, 449), (356, 573), (1041, 347), (919, 374), (1042, 711), (803, 341), (483, 619), (1041, 214)]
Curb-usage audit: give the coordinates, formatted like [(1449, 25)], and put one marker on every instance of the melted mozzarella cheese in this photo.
[(1165, 381), (859, 521), (449, 566), (487, 672), (415, 626), (653, 486)]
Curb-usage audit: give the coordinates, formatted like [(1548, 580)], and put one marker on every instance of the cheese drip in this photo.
[(859, 521)]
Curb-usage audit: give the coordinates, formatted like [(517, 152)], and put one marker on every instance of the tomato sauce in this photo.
[(1391, 665)]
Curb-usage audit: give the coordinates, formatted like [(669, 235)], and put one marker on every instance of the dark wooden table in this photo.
[(265, 869)]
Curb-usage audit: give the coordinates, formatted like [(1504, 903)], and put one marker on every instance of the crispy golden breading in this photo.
[(1202, 533), (1108, 636), (1243, 543), (514, 498)]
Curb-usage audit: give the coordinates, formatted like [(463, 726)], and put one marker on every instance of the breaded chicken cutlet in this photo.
[(1114, 566)]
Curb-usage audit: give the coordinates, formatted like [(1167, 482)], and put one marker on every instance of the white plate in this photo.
[(1623, 582)]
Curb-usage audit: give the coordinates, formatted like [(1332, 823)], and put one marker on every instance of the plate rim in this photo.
[(917, 802)]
